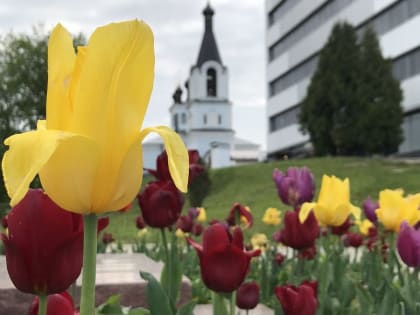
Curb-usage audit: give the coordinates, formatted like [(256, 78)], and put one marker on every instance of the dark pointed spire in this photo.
[(177, 95), (208, 49)]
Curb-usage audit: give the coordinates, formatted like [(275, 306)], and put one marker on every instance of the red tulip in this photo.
[(352, 240), (107, 238), (4, 222), (299, 235), (236, 212), (279, 258), (343, 228), (197, 229), (44, 246), (161, 204), (162, 168), (185, 223), (223, 261), (301, 300), (408, 245), (248, 296), (140, 222), (57, 304)]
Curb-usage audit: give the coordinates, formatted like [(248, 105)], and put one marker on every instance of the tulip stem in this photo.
[(87, 303), (42, 305)]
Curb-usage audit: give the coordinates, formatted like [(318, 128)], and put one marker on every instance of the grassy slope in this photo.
[(252, 185)]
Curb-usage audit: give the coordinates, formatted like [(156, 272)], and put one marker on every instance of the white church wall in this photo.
[(210, 115), (201, 140), (181, 111), (220, 156)]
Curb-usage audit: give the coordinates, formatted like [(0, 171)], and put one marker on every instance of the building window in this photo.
[(211, 82), (184, 118), (205, 119), (284, 119), (280, 10), (219, 119)]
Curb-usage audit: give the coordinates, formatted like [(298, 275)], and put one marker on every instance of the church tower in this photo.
[(204, 120)]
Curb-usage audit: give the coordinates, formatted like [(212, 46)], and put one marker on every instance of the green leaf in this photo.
[(157, 298), (111, 306), (187, 309), (139, 311)]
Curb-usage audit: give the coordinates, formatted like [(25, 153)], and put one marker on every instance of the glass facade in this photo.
[(312, 22), (280, 10), (411, 129), (284, 119), (403, 67)]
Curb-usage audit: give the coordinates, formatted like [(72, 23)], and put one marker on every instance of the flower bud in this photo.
[(248, 296)]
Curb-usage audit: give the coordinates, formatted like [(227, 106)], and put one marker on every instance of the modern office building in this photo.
[(297, 30)]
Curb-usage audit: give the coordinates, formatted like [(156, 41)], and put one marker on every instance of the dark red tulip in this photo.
[(162, 168), (4, 223), (343, 228), (197, 229), (223, 262), (107, 238), (140, 222), (307, 253), (57, 304), (279, 258), (161, 204), (193, 212), (299, 235), (44, 245), (352, 240), (185, 223), (301, 300), (248, 296), (296, 186), (236, 212)]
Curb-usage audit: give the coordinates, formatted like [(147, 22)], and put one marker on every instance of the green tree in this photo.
[(23, 82), (331, 102), (381, 96), (351, 98)]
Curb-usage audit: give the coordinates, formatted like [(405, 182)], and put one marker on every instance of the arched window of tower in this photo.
[(211, 82)]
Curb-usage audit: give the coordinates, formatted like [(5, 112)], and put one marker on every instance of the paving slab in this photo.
[(206, 309)]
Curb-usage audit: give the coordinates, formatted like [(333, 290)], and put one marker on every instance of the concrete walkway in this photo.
[(119, 273)]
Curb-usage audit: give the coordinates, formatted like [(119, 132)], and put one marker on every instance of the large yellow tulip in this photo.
[(333, 206), (394, 209), (88, 150)]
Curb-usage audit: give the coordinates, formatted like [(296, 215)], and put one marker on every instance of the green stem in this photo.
[(165, 245), (42, 305), (87, 303), (233, 303), (219, 305)]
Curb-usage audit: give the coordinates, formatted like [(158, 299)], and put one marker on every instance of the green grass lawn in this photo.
[(252, 185)]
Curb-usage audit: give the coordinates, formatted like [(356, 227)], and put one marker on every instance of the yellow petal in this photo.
[(177, 155), (27, 154), (61, 58), (69, 176), (356, 212), (117, 78), (305, 209), (126, 185)]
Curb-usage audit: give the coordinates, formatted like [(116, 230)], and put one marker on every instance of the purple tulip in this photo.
[(408, 245), (369, 208), (296, 186)]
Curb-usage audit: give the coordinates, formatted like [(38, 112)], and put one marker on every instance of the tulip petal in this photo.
[(177, 154), (61, 59), (27, 154), (69, 176), (117, 79), (305, 209)]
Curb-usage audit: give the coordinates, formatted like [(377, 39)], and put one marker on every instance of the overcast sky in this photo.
[(178, 27)]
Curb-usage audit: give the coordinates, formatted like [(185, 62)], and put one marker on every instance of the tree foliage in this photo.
[(23, 82), (351, 96)]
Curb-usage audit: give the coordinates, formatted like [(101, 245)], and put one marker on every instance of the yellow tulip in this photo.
[(243, 219), (202, 216), (259, 241), (394, 208), (333, 206), (88, 150), (364, 226), (272, 216)]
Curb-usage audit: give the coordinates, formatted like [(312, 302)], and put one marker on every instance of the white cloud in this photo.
[(178, 28)]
